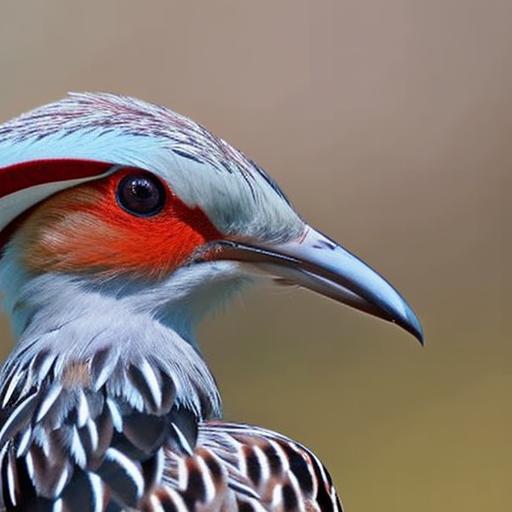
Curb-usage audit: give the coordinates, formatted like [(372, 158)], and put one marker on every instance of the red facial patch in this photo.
[(84, 229), (28, 174), (38, 172)]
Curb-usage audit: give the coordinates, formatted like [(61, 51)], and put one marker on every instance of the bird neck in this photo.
[(75, 319)]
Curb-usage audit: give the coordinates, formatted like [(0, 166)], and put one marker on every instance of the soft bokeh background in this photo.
[(389, 125)]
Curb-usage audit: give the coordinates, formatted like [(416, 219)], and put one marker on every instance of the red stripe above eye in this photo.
[(16, 177), (37, 172)]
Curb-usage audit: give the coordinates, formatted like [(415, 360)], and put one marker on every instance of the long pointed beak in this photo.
[(316, 262)]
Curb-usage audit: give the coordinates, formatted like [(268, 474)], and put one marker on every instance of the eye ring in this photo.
[(141, 194)]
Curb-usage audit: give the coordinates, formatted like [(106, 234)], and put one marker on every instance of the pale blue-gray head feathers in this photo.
[(203, 170), (257, 225)]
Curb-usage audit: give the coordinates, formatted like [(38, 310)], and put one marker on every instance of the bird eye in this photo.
[(141, 194)]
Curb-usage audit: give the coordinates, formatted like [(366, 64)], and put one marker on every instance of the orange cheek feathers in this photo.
[(85, 230)]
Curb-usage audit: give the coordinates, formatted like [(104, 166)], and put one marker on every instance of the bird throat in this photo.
[(74, 321)]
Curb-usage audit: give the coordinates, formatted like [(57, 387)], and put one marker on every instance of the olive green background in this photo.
[(389, 124)]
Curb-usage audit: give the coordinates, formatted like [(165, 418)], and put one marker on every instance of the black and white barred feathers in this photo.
[(73, 440)]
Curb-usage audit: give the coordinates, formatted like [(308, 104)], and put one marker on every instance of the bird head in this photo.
[(113, 191)]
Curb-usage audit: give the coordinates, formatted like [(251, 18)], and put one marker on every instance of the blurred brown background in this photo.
[(389, 125)]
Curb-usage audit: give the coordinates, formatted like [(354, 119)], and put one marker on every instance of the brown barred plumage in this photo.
[(68, 439)]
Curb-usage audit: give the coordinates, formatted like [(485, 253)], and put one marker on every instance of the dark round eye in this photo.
[(141, 194)]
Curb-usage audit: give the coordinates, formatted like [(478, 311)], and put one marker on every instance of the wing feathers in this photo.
[(61, 440), (126, 445)]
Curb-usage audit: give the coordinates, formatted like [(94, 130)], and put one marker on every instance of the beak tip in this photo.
[(413, 326), (418, 334)]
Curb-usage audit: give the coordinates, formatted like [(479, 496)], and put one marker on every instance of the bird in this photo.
[(122, 225)]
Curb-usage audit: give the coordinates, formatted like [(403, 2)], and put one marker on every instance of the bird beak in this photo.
[(319, 264)]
